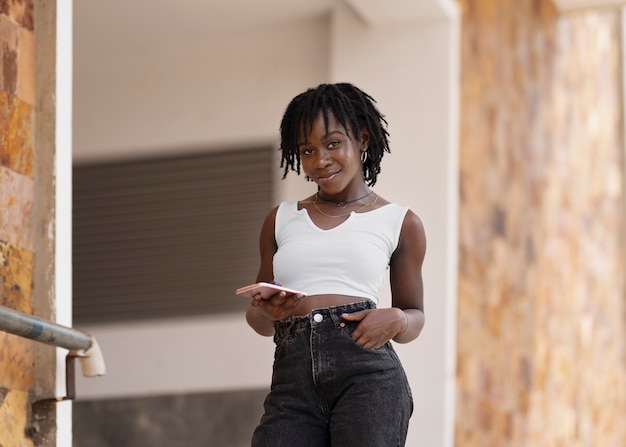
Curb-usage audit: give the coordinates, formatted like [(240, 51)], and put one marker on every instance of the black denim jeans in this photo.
[(329, 391)]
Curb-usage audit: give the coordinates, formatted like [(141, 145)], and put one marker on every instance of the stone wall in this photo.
[(17, 97), (541, 310)]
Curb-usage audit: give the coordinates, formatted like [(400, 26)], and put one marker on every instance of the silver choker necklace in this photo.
[(344, 204)]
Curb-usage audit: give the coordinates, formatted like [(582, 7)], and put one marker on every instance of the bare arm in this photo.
[(407, 290), (264, 312), (259, 320)]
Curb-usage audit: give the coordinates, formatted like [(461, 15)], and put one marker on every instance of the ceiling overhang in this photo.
[(381, 12), (569, 5)]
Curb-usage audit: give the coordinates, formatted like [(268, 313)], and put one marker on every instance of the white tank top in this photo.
[(350, 259)]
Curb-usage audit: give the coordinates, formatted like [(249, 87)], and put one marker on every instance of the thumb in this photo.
[(355, 316)]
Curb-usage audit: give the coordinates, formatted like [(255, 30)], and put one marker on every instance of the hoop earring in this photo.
[(363, 157)]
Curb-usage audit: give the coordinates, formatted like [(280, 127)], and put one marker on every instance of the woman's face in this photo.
[(330, 156)]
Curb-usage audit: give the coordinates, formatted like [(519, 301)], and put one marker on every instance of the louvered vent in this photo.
[(167, 237)]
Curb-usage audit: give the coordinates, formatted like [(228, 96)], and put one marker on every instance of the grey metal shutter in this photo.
[(167, 237)]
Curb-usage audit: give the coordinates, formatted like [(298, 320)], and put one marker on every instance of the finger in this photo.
[(372, 344), (367, 344), (355, 316), (292, 300), (278, 299), (256, 300)]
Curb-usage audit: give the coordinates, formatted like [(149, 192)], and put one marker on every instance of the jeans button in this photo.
[(318, 317)]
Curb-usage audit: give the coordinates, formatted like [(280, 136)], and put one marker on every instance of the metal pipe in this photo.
[(79, 343), (29, 326)]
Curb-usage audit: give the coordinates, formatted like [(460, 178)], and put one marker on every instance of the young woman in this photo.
[(337, 380)]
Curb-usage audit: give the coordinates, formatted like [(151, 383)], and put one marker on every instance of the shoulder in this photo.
[(272, 213), (412, 234), (270, 218), (412, 222)]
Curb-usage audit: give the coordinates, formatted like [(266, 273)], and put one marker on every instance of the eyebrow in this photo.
[(328, 134)]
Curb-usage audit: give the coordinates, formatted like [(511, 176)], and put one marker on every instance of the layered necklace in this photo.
[(344, 204)]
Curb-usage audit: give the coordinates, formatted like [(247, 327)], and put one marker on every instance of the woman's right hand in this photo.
[(277, 307)]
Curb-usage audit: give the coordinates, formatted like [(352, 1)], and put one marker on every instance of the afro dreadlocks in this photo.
[(353, 109)]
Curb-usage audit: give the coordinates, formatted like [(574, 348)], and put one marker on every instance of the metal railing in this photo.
[(80, 344)]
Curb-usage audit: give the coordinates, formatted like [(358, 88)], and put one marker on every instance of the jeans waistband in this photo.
[(300, 322)]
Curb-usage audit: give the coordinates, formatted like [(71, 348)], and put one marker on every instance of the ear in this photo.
[(364, 139)]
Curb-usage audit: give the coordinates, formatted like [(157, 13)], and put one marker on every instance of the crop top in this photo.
[(349, 259)]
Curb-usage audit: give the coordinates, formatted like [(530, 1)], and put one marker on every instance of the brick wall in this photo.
[(17, 97), (541, 319)]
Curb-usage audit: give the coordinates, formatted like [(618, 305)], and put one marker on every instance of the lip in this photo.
[(327, 177)]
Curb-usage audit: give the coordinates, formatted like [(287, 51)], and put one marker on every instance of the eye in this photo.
[(333, 144), (306, 151)]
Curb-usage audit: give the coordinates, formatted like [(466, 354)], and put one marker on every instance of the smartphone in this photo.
[(265, 289)]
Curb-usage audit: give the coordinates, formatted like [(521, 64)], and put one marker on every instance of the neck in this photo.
[(343, 203)]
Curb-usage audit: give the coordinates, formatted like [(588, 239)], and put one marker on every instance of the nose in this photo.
[(322, 160)]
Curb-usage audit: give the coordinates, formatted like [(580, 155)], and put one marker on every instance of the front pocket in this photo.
[(347, 331)]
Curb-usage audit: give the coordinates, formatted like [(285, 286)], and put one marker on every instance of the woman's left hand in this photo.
[(377, 326)]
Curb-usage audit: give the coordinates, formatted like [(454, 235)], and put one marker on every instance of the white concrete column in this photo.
[(63, 205), (408, 61)]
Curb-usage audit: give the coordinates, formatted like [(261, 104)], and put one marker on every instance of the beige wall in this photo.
[(230, 91), (541, 322)]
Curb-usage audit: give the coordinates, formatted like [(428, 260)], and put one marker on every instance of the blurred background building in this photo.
[(138, 160)]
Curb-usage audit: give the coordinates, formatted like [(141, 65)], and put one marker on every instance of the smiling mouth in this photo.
[(327, 176)]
